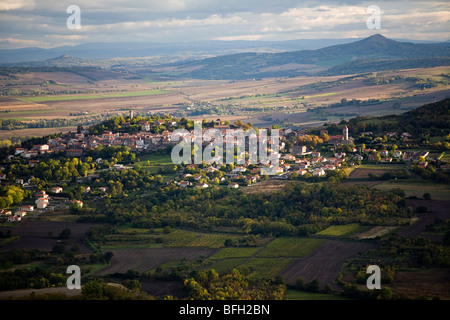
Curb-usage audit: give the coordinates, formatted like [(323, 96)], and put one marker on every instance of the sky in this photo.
[(43, 23)]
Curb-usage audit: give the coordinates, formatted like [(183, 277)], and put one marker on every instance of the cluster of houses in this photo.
[(42, 201), (297, 159), (18, 214)]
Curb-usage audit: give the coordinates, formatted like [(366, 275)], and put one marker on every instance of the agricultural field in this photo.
[(182, 238), (292, 294), (342, 230), (228, 253), (417, 188), (291, 247), (224, 265), (144, 260), (155, 163), (96, 96), (325, 262), (267, 268), (363, 173), (41, 235), (107, 92), (378, 231), (423, 283), (437, 209), (129, 238)]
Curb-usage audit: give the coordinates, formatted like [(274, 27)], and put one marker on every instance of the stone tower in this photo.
[(345, 133)]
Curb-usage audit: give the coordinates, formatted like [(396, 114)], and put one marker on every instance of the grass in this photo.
[(382, 166), (291, 247), (183, 238), (131, 238), (225, 265), (416, 187), (321, 95), (96, 96), (227, 253), (153, 162), (267, 268), (292, 294), (342, 230)]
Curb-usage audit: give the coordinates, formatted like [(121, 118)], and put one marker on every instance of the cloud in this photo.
[(193, 20), (7, 5)]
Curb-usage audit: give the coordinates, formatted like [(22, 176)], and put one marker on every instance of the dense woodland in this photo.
[(300, 209)]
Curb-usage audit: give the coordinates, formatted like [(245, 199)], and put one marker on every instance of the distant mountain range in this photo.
[(374, 53), (140, 49)]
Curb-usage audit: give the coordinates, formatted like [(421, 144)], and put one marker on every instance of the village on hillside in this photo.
[(298, 158)]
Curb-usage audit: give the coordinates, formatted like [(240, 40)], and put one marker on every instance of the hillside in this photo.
[(430, 119), (308, 62)]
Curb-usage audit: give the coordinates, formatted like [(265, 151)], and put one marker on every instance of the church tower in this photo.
[(345, 133)]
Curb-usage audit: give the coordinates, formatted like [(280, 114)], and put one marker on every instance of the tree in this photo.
[(74, 208), (328, 289), (294, 175), (92, 289), (446, 239), (300, 283), (314, 285), (65, 234), (427, 196), (385, 293)]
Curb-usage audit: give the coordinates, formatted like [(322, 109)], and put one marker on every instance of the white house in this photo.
[(14, 218), (57, 189), (27, 208), (202, 185), (234, 185), (289, 157), (20, 213), (318, 172), (184, 184), (41, 205), (5, 212)]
